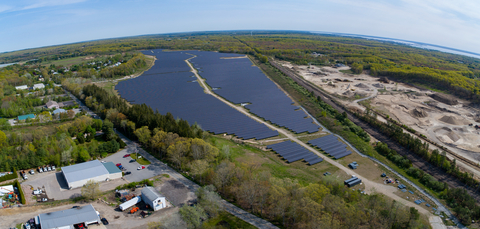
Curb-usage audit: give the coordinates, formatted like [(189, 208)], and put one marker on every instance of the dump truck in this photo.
[(130, 203)]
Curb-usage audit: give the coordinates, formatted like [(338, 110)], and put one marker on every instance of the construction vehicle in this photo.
[(135, 209)]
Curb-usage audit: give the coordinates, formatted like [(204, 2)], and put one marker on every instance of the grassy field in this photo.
[(67, 61), (246, 155), (226, 220), (141, 161)]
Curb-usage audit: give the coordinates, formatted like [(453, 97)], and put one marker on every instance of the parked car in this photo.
[(126, 155), (27, 226), (141, 167), (118, 164), (133, 160), (32, 172), (53, 167), (128, 172), (104, 221), (49, 168), (44, 199), (75, 206), (37, 192), (40, 170)]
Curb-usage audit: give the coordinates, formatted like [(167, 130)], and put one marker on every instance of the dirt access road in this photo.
[(370, 186)]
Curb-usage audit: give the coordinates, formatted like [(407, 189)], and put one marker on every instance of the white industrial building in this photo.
[(153, 198), (38, 86), (77, 175), (68, 219)]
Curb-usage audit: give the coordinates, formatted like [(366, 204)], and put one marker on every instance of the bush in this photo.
[(20, 191)]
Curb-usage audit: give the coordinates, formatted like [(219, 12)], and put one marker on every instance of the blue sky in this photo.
[(36, 23)]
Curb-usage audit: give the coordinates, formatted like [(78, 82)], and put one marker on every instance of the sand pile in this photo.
[(452, 120), (348, 93), (362, 85), (447, 99), (419, 113), (446, 135)]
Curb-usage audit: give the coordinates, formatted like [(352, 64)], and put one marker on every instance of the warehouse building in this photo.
[(70, 218), (77, 175), (153, 198)]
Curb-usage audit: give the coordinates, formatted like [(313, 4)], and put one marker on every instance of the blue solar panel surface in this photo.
[(239, 82), (292, 152), (168, 87), (331, 145)]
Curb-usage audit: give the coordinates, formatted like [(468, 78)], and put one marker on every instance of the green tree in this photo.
[(83, 155), (3, 138), (108, 131), (91, 190), (143, 134), (193, 215)]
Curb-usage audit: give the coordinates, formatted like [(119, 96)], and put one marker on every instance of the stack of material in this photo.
[(352, 181), (353, 165)]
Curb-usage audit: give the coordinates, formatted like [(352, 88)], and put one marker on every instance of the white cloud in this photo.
[(45, 3)]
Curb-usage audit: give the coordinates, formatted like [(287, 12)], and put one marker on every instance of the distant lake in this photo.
[(5, 65), (409, 43)]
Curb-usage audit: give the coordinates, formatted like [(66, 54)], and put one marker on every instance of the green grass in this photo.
[(226, 220), (66, 62), (347, 71), (141, 161), (243, 154), (19, 226)]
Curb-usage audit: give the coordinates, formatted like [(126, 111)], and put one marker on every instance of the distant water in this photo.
[(5, 65), (410, 43)]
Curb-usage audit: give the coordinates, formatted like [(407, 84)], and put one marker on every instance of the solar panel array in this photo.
[(169, 87), (236, 80), (331, 145), (292, 152)]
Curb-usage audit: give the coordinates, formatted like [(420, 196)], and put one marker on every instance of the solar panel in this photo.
[(240, 82), (348, 152), (315, 161), (168, 87), (292, 152)]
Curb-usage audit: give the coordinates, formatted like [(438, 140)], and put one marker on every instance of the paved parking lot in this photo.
[(151, 170)]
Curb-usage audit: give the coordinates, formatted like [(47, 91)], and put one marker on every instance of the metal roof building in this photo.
[(153, 198), (69, 218), (77, 175), (38, 86)]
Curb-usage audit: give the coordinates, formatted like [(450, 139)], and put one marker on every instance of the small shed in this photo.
[(23, 87), (153, 198), (52, 104)]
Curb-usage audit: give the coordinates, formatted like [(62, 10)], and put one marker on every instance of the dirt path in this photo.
[(369, 185)]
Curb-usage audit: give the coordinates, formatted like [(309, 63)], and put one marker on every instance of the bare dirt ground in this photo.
[(176, 193), (445, 124)]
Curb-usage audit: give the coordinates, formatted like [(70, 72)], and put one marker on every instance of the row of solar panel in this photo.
[(292, 152), (240, 82), (331, 145), (172, 92)]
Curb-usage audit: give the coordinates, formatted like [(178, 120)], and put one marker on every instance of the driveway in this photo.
[(55, 186), (154, 169)]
